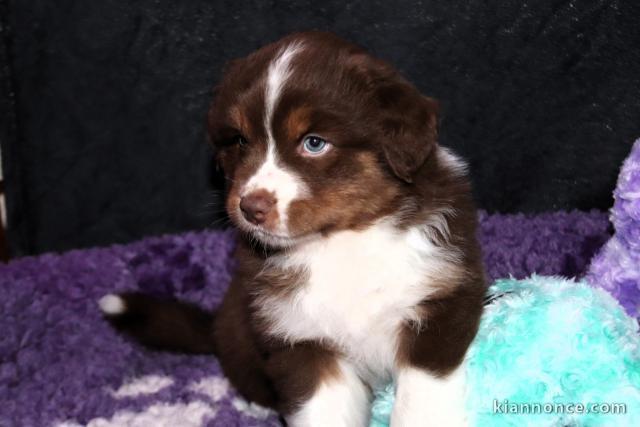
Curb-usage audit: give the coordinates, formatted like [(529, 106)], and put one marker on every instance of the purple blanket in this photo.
[(61, 364)]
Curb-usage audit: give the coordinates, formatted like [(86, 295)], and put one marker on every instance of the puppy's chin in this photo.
[(276, 241), (272, 239)]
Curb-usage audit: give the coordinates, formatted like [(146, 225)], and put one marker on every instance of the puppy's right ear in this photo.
[(221, 96)]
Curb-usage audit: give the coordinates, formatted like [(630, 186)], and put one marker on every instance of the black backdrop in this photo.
[(103, 102)]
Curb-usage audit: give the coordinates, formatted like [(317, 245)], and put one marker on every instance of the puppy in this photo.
[(358, 262)]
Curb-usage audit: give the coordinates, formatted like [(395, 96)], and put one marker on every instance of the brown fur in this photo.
[(384, 131), (383, 134)]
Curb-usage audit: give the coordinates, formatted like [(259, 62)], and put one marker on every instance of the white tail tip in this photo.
[(112, 304)]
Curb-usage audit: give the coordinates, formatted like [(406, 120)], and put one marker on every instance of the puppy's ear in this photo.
[(409, 125)]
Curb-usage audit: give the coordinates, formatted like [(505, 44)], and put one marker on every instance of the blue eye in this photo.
[(314, 144)]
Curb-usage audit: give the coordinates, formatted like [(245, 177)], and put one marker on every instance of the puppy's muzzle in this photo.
[(256, 206)]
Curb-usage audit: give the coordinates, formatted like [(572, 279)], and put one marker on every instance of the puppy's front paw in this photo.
[(423, 399)]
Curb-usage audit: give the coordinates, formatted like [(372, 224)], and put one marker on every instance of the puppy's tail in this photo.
[(159, 324)]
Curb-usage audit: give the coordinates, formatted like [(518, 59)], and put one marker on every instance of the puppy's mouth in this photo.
[(268, 237), (275, 240)]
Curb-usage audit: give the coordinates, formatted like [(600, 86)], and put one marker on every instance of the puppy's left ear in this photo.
[(410, 127)]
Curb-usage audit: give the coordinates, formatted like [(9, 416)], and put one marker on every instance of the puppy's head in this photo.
[(314, 135)]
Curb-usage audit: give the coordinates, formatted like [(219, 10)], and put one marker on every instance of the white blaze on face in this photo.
[(277, 76), (272, 175)]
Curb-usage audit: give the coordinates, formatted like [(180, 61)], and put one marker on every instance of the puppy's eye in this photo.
[(314, 145), (239, 140)]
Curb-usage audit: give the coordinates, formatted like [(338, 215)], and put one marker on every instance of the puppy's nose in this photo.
[(256, 206)]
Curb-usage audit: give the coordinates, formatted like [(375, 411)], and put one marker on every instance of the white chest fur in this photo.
[(360, 288)]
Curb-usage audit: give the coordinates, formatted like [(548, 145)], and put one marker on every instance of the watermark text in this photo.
[(506, 407)]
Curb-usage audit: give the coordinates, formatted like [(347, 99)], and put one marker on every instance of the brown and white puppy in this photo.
[(358, 263)]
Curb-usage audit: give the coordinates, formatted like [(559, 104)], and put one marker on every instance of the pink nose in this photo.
[(256, 206)]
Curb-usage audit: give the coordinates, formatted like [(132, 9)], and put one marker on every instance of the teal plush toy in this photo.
[(547, 345)]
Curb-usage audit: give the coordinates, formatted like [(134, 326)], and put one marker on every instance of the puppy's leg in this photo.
[(318, 388), (423, 399), (238, 351), (430, 371), (341, 400)]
